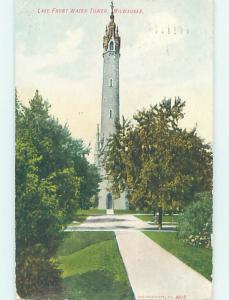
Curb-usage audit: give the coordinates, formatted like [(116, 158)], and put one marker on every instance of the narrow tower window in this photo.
[(111, 82), (110, 113), (111, 46)]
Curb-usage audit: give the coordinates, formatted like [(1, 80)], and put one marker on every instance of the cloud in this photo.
[(65, 52)]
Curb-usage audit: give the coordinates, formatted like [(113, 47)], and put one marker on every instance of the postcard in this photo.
[(114, 149)]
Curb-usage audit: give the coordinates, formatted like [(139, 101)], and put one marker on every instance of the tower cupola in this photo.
[(111, 39)]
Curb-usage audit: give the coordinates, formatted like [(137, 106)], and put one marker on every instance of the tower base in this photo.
[(108, 201)]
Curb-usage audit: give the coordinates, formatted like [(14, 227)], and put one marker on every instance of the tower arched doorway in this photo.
[(109, 201)]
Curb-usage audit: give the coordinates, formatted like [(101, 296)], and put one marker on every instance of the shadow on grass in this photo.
[(96, 285), (75, 241)]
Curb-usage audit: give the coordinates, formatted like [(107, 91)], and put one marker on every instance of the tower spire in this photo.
[(112, 10)]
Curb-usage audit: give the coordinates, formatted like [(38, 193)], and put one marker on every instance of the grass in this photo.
[(125, 212), (146, 218), (90, 212), (166, 218), (92, 267), (199, 259), (100, 212)]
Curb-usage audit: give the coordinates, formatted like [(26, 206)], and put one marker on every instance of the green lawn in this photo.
[(146, 218), (125, 212), (200, 259), (92, 267), (90, 212), (167, 218), (100, 212)]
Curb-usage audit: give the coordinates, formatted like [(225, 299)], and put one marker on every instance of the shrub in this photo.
[(38, 274), (195, 224)]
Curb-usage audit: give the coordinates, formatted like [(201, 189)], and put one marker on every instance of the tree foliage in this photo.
[(195, 224), (159, 163), (53, 178)]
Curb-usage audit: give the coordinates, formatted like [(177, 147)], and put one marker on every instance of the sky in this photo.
[(166, 51)]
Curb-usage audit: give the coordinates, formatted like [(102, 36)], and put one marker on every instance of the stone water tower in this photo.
[(109, 111)]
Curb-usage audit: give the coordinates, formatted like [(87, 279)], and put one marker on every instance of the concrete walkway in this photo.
[(155, 274), (115, 223)]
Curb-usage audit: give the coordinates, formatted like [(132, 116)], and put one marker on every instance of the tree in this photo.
[(159, 163), (51, 170), (89, 182)]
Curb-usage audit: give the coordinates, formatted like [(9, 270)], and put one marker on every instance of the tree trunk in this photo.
[(160, 218)]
